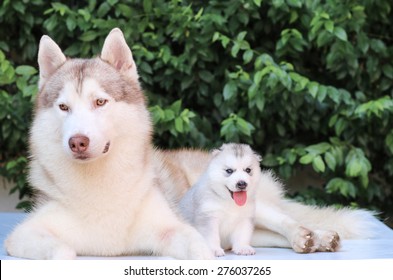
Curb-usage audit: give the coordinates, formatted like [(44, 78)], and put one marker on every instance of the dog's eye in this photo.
[(101, 102), (229, 171), (247, 170), (64, 107)]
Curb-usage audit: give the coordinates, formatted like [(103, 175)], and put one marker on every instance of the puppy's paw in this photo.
[(329, 241), (303, 241), (244, 250)]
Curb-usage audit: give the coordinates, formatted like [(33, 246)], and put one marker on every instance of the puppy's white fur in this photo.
[(221, 205)]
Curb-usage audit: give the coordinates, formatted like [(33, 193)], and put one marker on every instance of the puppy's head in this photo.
[(235, 171)]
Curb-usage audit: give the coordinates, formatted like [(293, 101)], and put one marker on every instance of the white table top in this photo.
[(380, 247)]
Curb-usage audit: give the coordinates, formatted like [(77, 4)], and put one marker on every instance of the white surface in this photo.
[(380, 247)]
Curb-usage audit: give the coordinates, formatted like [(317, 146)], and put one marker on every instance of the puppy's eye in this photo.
[(229, 171), (101, 102), (247, 170), (64, 107)]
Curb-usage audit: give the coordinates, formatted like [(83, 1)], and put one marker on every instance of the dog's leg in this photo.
[(161, 231), (268, 238), (209, 228), (241, 238), (182, 241), (33, 241), (301, 239)]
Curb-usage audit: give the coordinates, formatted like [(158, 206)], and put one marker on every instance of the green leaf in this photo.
[(338, 154), (235, 49), (388, 71), (313, 89), (176, 107), (364, 180), (257, 2), (339, 185), (19, 7), (363, 42), (280, 129), (295, 3), (353, 169), (147, 6), (318, 164), (329, 26), (216, 36), (71, 23), (340, 126), (230, 90), (169, 115), (270, 160), (245, 127), (25, 70), (206, 76), (241, 35), (179, 125), (103, 9), (318, 149), (89, 36), (340, 33), (307, 159), (389, 142), (247, 56), (330, 161)]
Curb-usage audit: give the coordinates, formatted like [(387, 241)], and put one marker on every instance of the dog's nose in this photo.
[(78, 143), (241, 185)]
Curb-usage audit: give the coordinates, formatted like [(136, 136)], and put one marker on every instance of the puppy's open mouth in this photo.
[(240, 197)]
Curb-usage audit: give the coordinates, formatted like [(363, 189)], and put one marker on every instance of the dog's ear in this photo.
[(216, 152), (258, 157), (117, 53), (50, 58)]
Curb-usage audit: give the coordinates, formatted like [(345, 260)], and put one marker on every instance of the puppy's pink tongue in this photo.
[(240, 198)]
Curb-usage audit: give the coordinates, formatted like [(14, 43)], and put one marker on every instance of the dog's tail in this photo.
[(348, 223)]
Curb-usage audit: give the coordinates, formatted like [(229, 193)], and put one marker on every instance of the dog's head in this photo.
[(234, 170), (86, 105)]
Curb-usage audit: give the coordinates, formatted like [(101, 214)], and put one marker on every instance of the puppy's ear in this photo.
[(216, 152), (117, 53), (258, 157), (50, 58)]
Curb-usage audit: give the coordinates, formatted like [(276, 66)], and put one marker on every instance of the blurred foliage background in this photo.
[(308, 83)]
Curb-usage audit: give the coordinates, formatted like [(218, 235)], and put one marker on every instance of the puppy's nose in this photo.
[(241, 185)]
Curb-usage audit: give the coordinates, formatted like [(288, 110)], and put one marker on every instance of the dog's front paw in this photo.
[(200, 252), (219, 252), (329, 241), (244, 250), (63, 253), (303, 241)]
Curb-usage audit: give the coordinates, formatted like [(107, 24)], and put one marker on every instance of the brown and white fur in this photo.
[(107, 192), (92, 159), (221, 204)]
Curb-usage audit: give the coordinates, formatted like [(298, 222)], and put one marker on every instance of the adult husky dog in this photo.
[(221, 204), (106, 191), (92, 158)]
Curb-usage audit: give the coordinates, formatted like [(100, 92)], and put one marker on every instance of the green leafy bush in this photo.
[(307, 83)]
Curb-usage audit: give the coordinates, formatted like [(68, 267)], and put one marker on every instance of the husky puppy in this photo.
[(221, 205)]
